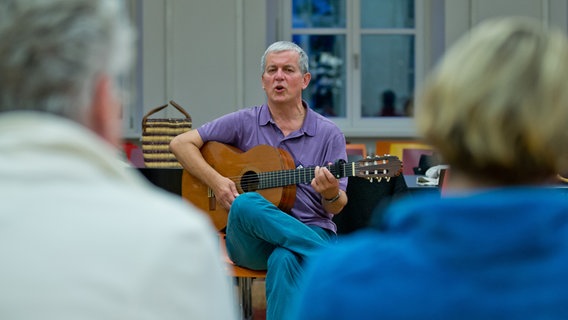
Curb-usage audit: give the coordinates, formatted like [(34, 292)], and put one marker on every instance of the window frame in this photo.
[(354, 125)]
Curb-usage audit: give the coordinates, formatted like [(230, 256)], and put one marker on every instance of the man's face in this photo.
[(282, 78)]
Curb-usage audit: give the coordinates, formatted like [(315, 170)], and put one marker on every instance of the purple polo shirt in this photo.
[(318, 142)]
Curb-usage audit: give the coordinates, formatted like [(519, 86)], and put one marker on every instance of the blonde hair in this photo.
[(497, 106)]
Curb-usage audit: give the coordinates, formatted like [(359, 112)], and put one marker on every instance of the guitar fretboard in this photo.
[(378, 168), (281, 178)]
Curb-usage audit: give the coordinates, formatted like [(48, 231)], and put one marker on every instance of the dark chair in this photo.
[(411, 160), (363, 198)]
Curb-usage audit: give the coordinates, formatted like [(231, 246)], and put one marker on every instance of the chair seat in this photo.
[(243, 272), (244, 277), (238, 271)]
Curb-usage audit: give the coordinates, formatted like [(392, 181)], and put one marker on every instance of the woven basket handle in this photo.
[(157, 109), (151, 112), (182, 110)]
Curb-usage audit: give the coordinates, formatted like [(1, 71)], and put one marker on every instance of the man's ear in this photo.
[(105, 111), (307, 78)]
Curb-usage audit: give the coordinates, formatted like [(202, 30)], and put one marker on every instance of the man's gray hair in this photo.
[(53, 51), (286, 46)]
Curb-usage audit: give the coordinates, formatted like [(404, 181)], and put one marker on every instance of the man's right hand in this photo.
[(186, 148), (225, 191)]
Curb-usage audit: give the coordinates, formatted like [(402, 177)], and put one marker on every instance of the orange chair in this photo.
[(412, 148), (356, 151), (396, 147), (244, 278)]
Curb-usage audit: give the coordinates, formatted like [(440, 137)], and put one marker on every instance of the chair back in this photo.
[(409, 151), (356, 151), (443, 181), (411, 159)]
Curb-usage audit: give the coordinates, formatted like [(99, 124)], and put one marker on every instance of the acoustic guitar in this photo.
[(271, 172)]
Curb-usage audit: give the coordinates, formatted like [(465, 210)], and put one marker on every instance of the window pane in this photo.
[(318, 14), (387, 74), (387, 14), (326, 92)]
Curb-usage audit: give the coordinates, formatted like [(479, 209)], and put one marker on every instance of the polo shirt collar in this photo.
[(308, 127)]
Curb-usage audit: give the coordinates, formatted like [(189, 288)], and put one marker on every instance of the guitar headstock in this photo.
[(378, 167)]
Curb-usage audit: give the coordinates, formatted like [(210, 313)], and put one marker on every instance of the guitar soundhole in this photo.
[(249, 181)]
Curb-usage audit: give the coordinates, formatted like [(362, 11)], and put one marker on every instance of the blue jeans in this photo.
[(262, 237)]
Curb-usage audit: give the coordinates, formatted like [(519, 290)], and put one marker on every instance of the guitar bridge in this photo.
[(212, 201)]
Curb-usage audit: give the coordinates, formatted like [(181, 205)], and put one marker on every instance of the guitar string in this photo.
[(289, 173), (277, 174)]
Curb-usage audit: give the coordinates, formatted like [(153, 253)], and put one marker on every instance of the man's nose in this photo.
[(279, 73)]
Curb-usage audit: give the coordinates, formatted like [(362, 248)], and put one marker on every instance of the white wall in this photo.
[(206, 54), (462, 15)]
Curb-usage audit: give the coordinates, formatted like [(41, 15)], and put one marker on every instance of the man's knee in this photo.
[(245, 204)]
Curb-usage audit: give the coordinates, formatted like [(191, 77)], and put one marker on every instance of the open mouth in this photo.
[(279, 88)]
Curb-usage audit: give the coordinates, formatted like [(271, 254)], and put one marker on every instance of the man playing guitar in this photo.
[(259, 235)]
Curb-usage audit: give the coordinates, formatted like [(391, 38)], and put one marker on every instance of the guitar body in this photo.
[(243, 168), (271, 172)]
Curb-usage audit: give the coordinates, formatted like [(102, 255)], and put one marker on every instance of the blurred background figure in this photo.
[(388, 104), (82, 236), (496, 246)]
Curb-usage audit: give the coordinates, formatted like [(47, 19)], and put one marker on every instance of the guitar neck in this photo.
[(282, 178)]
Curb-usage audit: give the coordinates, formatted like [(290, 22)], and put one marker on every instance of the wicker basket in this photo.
[(157, 134)]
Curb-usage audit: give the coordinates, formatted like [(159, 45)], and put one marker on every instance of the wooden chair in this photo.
[(244, 278)]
